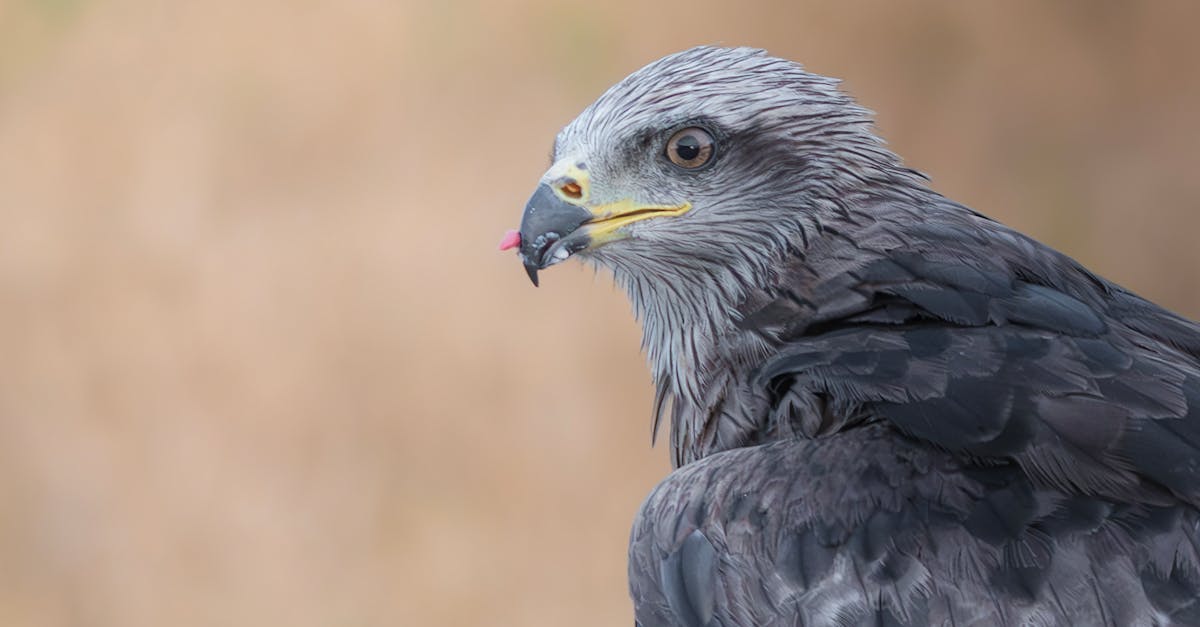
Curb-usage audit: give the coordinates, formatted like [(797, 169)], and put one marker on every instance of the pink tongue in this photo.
[(512, 239)]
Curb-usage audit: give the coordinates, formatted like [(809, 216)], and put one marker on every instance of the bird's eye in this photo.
[(690, 148)]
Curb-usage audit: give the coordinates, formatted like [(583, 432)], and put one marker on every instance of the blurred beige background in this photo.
[(262, 364)]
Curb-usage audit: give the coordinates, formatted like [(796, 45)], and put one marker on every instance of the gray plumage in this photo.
[(885, 408)]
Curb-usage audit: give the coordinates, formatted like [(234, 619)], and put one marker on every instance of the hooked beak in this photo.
[(550, 231), (559, 221)]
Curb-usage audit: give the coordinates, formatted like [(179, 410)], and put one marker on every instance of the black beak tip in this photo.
[(532, 271)]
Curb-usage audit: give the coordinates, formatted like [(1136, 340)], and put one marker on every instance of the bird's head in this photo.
[(709, 158)]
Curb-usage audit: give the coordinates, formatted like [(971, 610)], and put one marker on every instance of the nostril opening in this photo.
[(572, 190)]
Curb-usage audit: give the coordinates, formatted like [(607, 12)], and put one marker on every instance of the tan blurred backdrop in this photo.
[(261, 364)]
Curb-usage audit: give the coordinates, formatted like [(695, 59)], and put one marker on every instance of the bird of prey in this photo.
[(885, 408)]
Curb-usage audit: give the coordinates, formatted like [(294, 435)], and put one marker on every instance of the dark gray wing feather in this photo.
[(689, 580)]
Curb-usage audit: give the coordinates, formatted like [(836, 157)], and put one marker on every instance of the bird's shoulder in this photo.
[(970, 337), (894, 262)]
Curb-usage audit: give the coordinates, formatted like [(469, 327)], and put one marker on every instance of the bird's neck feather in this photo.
[(689, 308)]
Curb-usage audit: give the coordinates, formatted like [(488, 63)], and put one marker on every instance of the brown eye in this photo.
[(690, 148)]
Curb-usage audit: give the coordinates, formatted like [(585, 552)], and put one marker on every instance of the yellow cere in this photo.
[(570, 183)]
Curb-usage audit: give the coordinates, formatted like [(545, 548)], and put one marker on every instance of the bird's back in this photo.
[(866, 528)]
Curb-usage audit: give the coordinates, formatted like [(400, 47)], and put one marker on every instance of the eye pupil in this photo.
[(690, 148)]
